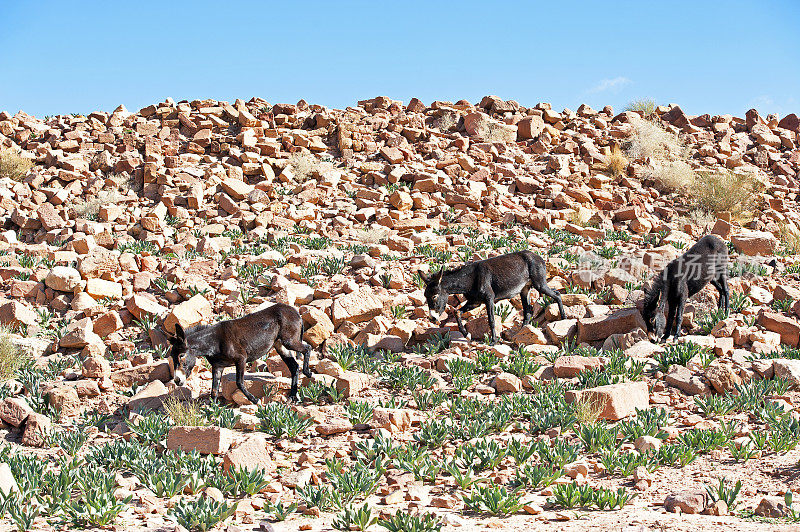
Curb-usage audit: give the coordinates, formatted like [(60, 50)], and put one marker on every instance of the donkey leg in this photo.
[(241, 363), (554, 295), (721, 284), (468, 305), (216, 375), (291, 363), (527, 310), (489, 302), (671, 305), (681, 303), (298, 346)]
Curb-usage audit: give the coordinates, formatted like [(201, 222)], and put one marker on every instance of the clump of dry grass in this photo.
[(588, 407), (645, 106), (726, 191), (651, 140), (673, 176), (184, 413), (13, 165), (447, 122), (790, 238), (304, 165), (371, 236), (90, 208), (580, 217), (616, 162), (10, 358)]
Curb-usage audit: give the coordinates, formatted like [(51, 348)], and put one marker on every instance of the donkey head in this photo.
[(435, 295), (653, 310), (183, 358)]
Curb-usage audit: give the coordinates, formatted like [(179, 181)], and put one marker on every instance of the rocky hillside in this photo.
[(118, 226)]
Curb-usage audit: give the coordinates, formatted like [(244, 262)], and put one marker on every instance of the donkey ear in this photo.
[(438, 277), (425, 278), (180, 335)]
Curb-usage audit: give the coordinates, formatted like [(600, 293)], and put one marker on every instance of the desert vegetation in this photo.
[(580, 420)]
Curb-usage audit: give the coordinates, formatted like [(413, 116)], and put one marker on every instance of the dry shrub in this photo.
[(673, 176), (790, 238), (726, 191), (651, 140), (304, 165), (13, 165), (90, 208), (616, 162), (646, 106), (588, 407), (371, 236), (580, 217), (10, 358), (184, 413), (696, 218), (447, 122)]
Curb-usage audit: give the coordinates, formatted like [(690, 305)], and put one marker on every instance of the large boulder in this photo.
[(615, 401), (754, 242), (63, 279), (356, 307), (601, 327), (787, 327), (204, 440), (188, 314)]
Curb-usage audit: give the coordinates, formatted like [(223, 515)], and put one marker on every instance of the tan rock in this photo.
[(15, 313), (37, 430), (507, 383), (336, 426), (205, 440), (754, 242), (15, 410), (688, 502), (64, 399), (601, 327), (96, 367), (63, 278), (618, 400), (356, 307), (723, 377), (570, 366), (142, 374), (7, 481), (100, 288), (350, 383), (188, 314), (151, 397), (249, 453), (787, 327), (530, 334)]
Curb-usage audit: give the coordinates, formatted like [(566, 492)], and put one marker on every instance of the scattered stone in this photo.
[(688, 502)]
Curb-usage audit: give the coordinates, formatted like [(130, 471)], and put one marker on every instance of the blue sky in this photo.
[(708, 56)]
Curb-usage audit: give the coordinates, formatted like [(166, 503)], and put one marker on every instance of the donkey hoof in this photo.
[(307, 373)]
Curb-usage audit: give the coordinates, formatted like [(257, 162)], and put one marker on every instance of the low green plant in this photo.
[(151, 429), (678, 354), (279, 420), (405, 522), (493, 500), (722, 492), (535, 476), (201, 514), (359, 412), (354, 481), (280, 511)]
